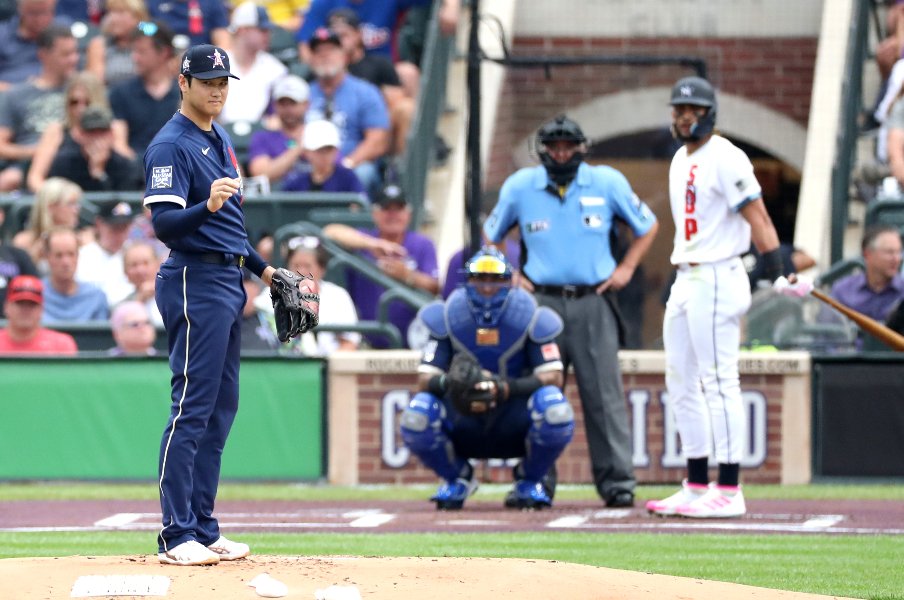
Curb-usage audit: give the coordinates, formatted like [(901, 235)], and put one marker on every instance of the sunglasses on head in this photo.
[(148, 28), (309, 242)]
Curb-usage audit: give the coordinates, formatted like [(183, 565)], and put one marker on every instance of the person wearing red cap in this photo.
[(24, 307)]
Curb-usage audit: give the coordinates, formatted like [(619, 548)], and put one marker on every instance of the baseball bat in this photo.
[(888, 336)]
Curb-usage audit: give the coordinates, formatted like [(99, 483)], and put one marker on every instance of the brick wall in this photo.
[(573, 466), (774, 72)]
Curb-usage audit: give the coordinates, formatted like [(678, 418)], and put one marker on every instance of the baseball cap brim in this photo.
[(215, 74), (25, 296)]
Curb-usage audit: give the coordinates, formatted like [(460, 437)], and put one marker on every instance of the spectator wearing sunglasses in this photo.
[(83, 90), (133, 331), (109, 55), (306, 255), (355, 106), (143, 103)]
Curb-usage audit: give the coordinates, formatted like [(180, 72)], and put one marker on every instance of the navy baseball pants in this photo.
[(201, 305)]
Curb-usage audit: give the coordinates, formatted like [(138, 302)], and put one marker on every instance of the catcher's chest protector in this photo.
[(498, 349)]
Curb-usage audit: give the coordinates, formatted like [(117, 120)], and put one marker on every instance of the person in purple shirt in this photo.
[(320, 141), (404, 255), (276, 153), (877, 289)]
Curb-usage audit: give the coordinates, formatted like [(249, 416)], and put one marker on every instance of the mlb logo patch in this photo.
[(162, 178), (550, 351)]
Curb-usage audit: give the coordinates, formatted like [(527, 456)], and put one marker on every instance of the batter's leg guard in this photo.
[(424, 433), (550, 433)]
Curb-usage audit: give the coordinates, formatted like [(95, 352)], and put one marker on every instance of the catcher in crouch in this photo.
[(490, 384)]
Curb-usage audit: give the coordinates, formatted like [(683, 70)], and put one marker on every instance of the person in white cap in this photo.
[(258, 69), (320, 142), (276, 152)]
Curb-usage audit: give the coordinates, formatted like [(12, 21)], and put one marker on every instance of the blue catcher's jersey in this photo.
[(522, 342)]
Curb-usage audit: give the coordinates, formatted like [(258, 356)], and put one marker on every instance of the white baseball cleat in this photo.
[(720, 502), (189, 554), (688, 493), (229, 550)]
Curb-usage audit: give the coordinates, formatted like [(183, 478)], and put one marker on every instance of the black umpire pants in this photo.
[(589, 342)]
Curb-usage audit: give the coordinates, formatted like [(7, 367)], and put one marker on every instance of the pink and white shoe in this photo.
[(688, 493), (720, 502)]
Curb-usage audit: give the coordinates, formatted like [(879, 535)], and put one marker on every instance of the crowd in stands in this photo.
[(326, 95)]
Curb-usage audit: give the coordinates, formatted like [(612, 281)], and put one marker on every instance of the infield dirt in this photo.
[(377, 578)]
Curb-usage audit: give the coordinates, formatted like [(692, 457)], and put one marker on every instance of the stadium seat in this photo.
[(886, 212)]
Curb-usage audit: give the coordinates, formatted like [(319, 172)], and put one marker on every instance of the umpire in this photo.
[(565, 211)]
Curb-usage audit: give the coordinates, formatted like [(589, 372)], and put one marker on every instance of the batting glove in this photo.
[(800, 287)]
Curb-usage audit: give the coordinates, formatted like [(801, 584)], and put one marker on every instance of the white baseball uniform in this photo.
[(701, 329)]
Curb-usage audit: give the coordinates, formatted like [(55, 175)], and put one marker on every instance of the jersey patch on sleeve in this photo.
[(162, 178), (550, 351)]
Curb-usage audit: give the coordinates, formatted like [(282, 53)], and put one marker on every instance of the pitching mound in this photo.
[(376, 578)]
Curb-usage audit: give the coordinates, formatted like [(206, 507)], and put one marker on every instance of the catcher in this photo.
[(490, 385)]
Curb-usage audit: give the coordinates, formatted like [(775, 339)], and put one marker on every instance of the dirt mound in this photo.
[(375, 578)]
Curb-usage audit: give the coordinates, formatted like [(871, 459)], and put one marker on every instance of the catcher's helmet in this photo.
[(489, 283), (561, 129), (695, 91)]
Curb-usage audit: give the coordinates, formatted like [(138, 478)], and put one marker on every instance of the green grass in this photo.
[(854, 566), (313, 492)]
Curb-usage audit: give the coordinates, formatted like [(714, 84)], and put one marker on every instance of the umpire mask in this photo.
[(488, 285), (561, 129)]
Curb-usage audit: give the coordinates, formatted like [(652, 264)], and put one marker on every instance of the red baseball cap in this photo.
[(25, 287)]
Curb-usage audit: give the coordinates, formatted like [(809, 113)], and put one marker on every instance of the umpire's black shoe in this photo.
[(622, 499)]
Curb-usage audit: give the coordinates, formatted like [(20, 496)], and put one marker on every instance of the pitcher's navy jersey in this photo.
[(180, 164)]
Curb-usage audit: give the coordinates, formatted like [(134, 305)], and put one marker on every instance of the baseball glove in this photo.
[(470, 392), (296, 303)]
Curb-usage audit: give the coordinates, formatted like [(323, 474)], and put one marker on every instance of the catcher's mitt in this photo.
[(296, 303), (468, 389)]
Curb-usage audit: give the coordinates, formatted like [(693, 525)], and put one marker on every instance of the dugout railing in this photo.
[(342, 259)]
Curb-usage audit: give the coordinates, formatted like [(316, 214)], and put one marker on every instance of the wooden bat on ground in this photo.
[(888, 336)]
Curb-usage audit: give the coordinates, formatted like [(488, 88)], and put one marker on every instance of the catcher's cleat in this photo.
[(667, 506), (452, 495), (548, 482), (528, 495)]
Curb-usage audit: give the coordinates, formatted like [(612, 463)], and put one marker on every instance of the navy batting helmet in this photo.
[(561, 129), (695, 91)]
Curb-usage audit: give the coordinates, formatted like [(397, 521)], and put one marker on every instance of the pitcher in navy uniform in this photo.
[(512, 339), (194, 191)]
